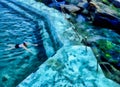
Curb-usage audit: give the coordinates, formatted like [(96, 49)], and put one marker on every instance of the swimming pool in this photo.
[(16, 64)]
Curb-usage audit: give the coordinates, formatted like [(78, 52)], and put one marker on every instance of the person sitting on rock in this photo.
[(92, 9)]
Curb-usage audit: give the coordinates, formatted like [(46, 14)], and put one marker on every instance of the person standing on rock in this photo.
[(92, 9)]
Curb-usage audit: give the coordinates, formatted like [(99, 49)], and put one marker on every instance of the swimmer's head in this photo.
[(24, 44)]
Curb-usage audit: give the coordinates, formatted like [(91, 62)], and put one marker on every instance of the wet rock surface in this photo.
[(71, 66)]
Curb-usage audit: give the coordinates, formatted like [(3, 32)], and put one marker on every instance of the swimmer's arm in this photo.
[(32, 44), (28, 50)]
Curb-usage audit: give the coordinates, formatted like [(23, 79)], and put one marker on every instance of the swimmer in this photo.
[(21, 45), (24, 45)]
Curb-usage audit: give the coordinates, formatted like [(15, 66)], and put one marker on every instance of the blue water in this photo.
[(16, 64)]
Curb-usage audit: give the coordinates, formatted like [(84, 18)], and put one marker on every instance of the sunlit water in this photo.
[(16, 64)]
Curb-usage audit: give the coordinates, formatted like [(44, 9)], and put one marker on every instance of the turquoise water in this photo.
[(17, 64)]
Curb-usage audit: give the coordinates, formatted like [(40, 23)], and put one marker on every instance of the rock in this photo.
[(83, 5), (80, 19), (79, 70), (86, 5), (75, 2), (109, 57), (95, 34), (108, 21), (116, 3), (88, 9), (110, 52), (57, 5), (53, 3), (106, 2), (101, 7), (70, 8)]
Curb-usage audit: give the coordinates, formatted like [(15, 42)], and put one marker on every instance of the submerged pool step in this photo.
[(16, 8)]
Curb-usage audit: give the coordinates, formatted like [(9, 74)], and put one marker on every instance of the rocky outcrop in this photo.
[(104, 16), (108, 21), (102, 8), (109, 57), (70, 8), (110, 52), (116, 3), (105, 45)]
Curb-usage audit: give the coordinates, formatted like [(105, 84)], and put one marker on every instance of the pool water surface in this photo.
[(17, 64)]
